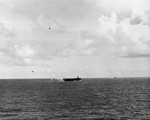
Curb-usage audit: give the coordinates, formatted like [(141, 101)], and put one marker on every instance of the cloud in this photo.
[(119, 37), (24, 51), (136, 20), (5, 32), (123, 8), (6, 38), (71, 13), (11, 53), (78, 28), (98, 44), (133, 55), (127, 37)]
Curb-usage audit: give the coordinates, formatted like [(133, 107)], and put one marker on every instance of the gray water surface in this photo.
[(90, 99)]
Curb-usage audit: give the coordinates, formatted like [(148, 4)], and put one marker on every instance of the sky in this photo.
[(89, 38)]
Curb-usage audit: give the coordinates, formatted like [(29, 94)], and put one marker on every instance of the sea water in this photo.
[(89, 99)]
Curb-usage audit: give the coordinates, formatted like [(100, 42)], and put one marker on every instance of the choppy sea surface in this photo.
[(90, 99)]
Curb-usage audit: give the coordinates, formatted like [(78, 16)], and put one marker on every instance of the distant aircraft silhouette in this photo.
[(49, 28)]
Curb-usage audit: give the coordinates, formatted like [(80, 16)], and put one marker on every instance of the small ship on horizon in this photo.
[(72, 79)]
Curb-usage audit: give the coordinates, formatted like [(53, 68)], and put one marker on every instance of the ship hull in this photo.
[(71, 79)]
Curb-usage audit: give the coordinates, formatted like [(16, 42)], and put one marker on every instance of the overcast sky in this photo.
[(89, 38)]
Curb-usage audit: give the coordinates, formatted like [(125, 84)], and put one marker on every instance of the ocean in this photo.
[(89, 99)]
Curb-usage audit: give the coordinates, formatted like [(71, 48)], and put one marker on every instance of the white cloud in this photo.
[(82, 28), (108, 24), (24, 51), (127, 37), (136, 7), (64, 39)]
